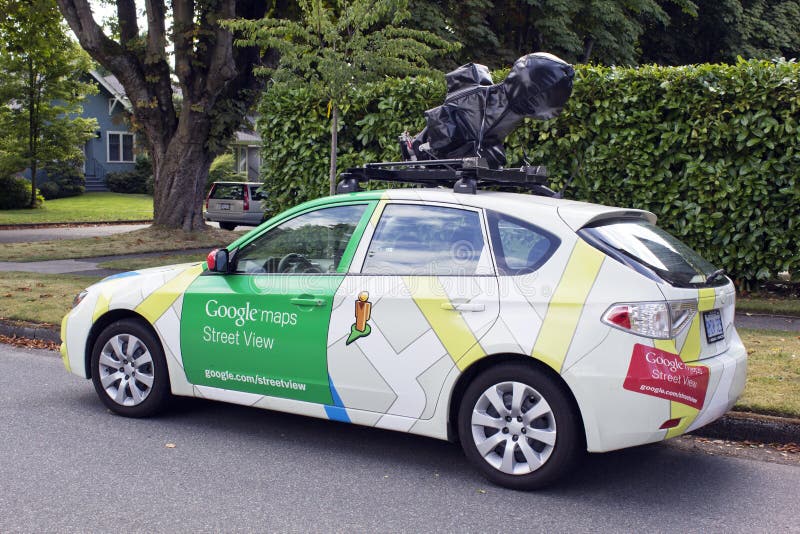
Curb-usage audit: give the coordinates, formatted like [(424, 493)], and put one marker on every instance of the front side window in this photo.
[(120, 147), (425, 240), (520, 247), (313, 242)]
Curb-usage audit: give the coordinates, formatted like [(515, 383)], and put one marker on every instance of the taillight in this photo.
[(657, 320), (246, 198), (210, 192)]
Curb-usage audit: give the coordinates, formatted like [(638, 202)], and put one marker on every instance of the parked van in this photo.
[(232, 204)]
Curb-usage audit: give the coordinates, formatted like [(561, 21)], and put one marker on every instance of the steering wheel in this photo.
[(288, 261)]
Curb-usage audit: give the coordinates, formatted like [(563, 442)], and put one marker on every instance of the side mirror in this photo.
[(218, 260)]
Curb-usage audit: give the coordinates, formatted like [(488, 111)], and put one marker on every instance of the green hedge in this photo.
[(713, 150)]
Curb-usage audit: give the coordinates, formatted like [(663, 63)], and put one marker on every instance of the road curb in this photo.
[(746, 426), (735, 426), (30, 331)]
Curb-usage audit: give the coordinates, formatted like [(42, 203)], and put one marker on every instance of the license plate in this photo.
[(224, 206), (713, 322)]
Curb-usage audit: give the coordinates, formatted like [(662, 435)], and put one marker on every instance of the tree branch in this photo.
[(182, 28), (156, 31), (128, 26), (159, 119)]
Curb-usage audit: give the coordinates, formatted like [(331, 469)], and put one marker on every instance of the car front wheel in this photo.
[(518, 427), (129, 371)]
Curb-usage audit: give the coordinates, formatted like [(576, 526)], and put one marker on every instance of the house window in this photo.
[(120, 147), (240, 153)]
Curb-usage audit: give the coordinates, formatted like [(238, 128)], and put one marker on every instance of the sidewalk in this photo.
[(82, 266)]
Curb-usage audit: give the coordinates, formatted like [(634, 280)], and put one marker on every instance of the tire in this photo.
[(129, 371), (228, 226), (493, 412)]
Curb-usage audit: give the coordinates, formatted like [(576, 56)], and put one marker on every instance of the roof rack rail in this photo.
[(463, 175)]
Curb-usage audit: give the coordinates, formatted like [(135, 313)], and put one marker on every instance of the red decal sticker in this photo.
[(663, 374)]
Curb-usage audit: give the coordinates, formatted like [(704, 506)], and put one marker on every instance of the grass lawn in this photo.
[(144, 240), (39, 298), (133, 264), (773, 372), (774, 306), (89, 207)]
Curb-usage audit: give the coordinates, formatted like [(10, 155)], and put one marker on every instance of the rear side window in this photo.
[(520, 247), (255, 194), (656, 249), (425, 240), (227, 192)]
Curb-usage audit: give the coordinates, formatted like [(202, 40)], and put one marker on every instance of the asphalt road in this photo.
[(66, 464)]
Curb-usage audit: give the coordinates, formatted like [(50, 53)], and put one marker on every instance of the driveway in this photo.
[(69, 465)]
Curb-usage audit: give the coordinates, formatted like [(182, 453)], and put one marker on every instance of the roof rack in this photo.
[(463, 175)]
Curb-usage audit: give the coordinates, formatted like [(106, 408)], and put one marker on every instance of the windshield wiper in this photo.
[(715, 274)]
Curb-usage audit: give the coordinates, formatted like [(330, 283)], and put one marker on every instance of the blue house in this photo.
[(113, 149)]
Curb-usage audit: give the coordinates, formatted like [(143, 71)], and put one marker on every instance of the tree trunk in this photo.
[(334, 145), (180, 171), (588, 45)]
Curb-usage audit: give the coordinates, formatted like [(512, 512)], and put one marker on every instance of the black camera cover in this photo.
[(478, 115)]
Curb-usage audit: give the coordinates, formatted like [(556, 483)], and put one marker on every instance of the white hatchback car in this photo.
[(528, 328)]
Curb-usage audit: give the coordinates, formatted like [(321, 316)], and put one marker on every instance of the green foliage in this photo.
[(722, 30), (223, 169), (139, 180), (334, 50), (711, 149), (63, 180), (41, 88), (17, 193)]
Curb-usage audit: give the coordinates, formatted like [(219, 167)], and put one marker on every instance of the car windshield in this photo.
[(655, 248)]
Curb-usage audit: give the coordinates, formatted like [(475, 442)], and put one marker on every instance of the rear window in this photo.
[(227, 192), (656, 249)]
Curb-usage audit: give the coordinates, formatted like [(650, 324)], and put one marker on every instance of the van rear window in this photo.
[(227, 192), (656, 249)]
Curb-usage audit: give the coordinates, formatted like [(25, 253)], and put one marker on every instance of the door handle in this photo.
[(306, 301), (463, 307)]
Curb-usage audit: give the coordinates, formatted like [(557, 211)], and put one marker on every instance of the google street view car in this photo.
[(527, 327)]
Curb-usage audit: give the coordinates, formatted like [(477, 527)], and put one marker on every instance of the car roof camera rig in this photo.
[(462, 142)]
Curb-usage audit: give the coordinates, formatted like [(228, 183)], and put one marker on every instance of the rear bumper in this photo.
[(617, 415), (248, 219)]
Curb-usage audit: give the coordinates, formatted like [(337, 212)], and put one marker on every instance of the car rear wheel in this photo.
[(129, 371), (228, 226), (519, 427)]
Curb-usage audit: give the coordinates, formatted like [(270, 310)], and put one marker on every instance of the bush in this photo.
[(17, 193), (139, 180), (710, 149), (223, 169), (63, 180)]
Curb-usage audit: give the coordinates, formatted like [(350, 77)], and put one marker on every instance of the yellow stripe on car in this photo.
[(154, 306), (566, 305), (451, 328), (690, 352)]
